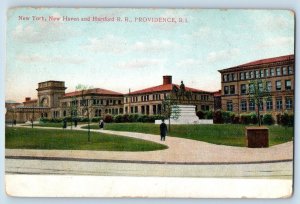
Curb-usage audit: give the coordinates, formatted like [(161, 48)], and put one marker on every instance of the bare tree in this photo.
[(170, 109), (85, 104), (258, 92)]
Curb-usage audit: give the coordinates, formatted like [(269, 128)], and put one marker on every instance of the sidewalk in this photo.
[(179, 150)]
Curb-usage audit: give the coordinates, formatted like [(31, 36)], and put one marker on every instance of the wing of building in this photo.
[(53, 102), (277, 73)]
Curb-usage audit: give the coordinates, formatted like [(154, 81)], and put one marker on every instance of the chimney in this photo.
[(27, 99), (167, 79)]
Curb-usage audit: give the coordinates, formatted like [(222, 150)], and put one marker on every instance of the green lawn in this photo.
[(223, 134), (59, 125), (27, 138)]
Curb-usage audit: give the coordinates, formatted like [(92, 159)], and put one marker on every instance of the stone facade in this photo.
[(53, 102), (149, 101), (277, 73)]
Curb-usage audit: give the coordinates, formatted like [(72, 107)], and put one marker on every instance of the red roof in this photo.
[(163, 87), (217, 93), (260, 62), (31, 101), (269, 60), (96, 91)]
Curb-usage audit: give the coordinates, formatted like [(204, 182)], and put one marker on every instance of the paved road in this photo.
[(263, 170), (179, 150)]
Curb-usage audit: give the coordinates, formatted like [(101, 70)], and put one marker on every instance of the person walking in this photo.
[(101, 124), (64, 123), (75, 122), (163, 130)]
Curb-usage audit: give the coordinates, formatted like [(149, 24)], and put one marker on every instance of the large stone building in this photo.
[(149, 100), (53, 102), (278, 73)]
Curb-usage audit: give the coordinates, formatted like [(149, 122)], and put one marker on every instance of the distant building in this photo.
[(149, 101), (53, 102), (278, 73)]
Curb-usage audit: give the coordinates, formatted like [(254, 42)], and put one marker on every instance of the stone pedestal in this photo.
[(187, 115), (257, 137)]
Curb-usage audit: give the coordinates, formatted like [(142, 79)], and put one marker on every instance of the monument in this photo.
[(180, 113)]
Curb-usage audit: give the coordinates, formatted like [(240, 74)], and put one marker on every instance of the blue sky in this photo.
[(119, 55)]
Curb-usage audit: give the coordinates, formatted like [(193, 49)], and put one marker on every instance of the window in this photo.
[(233, 77), (243, 89), (226, 90), (251, 106), (269, 104), (269, 86), (272, 72), (284, 71), (247, 75), (288, 85), (232, 89), (229, 106), (288, 103), (252, 74), (244, 105), (261, 73), (266, 72), (278, 103), (278, 71), (256, 74), (230, 77), (260, 87), (290, 70), (135, 109), (278, 85), (251, 88), (225, 77), (242, 76)]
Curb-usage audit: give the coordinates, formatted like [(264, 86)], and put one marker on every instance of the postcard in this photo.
[(157, 103)]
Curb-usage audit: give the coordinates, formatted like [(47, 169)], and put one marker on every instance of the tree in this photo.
[(258, 92), (85, 104), (73, 109), (171, 109)]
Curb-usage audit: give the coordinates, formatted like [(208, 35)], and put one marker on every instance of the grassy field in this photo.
[(59, 125), (27, 138), (223, 134)]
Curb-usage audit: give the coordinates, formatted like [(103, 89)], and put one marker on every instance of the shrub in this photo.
[(253, 118), (287, 119), (200, 114), (108, 119), (268, 119), (125, 118), (278, 118), (96, 119), (118, 118), (209, 115), (133, 117), (217, 117), (236, 120), (227, 116), (245, 119)]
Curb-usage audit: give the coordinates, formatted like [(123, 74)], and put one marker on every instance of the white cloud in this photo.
[(110, 43), (140, 63), (272, 22), (200, 33), (189, 63), (222, 55), (37, 58), (43, 31), (276, 42), (154, 45)]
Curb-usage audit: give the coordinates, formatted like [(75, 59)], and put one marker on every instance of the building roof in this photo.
[(260, 62), (95, 91), (163, 87), (31, 101), (217, 93)]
